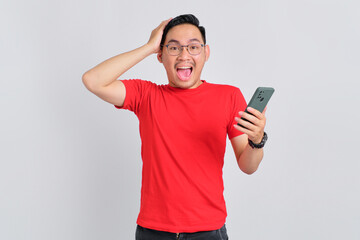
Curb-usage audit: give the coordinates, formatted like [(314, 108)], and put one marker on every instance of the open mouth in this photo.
[(184, 73)]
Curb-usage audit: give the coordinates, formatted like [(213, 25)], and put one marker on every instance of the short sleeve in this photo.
[(238, 104), (136, 92)]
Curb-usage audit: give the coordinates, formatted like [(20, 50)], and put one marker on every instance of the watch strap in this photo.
[(259, 145)]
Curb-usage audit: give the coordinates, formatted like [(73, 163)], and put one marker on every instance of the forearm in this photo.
[(110, 70), (250, 159)]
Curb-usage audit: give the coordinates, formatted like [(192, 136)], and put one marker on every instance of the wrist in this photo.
[(261, 144), (150, 48), (258, 140)]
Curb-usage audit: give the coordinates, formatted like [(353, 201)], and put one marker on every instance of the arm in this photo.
[(102, 79), (248, 158)]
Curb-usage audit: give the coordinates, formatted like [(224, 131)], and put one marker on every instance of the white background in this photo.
[(70, 163)]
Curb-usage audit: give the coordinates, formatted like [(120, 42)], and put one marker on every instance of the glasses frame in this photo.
[(182, 48)]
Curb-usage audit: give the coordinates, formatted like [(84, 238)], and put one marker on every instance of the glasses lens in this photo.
[(194, 48), (174, 49)]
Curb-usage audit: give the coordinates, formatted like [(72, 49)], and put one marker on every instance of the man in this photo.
[(183, 129)]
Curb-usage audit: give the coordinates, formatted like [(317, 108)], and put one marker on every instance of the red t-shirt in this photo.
[(183, 134)]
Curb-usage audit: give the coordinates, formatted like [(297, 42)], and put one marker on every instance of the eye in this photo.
[(173, 47), (194, 46)]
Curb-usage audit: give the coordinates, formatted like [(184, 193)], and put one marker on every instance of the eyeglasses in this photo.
[(175, 49)]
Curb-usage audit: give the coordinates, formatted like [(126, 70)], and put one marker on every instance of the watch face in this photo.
[(264, 138)]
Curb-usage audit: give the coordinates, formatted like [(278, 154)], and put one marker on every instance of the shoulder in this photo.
[(138, 92), (140, 85), (229, 94), (139, 82)]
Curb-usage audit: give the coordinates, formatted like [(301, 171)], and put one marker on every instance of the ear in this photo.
[(207, 52), (159, 56)]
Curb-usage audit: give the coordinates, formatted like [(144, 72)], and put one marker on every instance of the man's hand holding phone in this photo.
[(252, 123)]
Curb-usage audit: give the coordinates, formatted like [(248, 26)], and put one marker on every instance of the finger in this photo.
[(249, 117), (156, 36), (245, 124), (161, 27), (164, 23), (254, 133), (251, 134), (255, 125), (242, 129), (255, 112)]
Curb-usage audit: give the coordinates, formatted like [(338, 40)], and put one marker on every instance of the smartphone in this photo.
[(259, 100)]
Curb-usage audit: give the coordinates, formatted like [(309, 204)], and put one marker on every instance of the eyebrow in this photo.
[(176, 41)]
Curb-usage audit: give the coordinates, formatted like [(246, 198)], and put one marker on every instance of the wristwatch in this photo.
[(259, 145)]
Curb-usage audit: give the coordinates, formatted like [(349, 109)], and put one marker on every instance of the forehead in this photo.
[(184, 33)]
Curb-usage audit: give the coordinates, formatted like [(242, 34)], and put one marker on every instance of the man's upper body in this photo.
[(183, 128), (183, 134)]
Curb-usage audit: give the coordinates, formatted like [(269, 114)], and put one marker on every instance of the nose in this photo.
[(184, 54)]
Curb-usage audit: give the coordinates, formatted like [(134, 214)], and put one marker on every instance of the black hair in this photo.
[(183, 19)]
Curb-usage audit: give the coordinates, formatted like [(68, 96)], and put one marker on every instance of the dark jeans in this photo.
[(149, 234)]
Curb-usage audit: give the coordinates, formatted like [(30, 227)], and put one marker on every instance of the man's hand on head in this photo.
[(156, 35)]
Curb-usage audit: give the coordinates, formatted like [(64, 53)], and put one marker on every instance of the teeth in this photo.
[(184, 67)]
